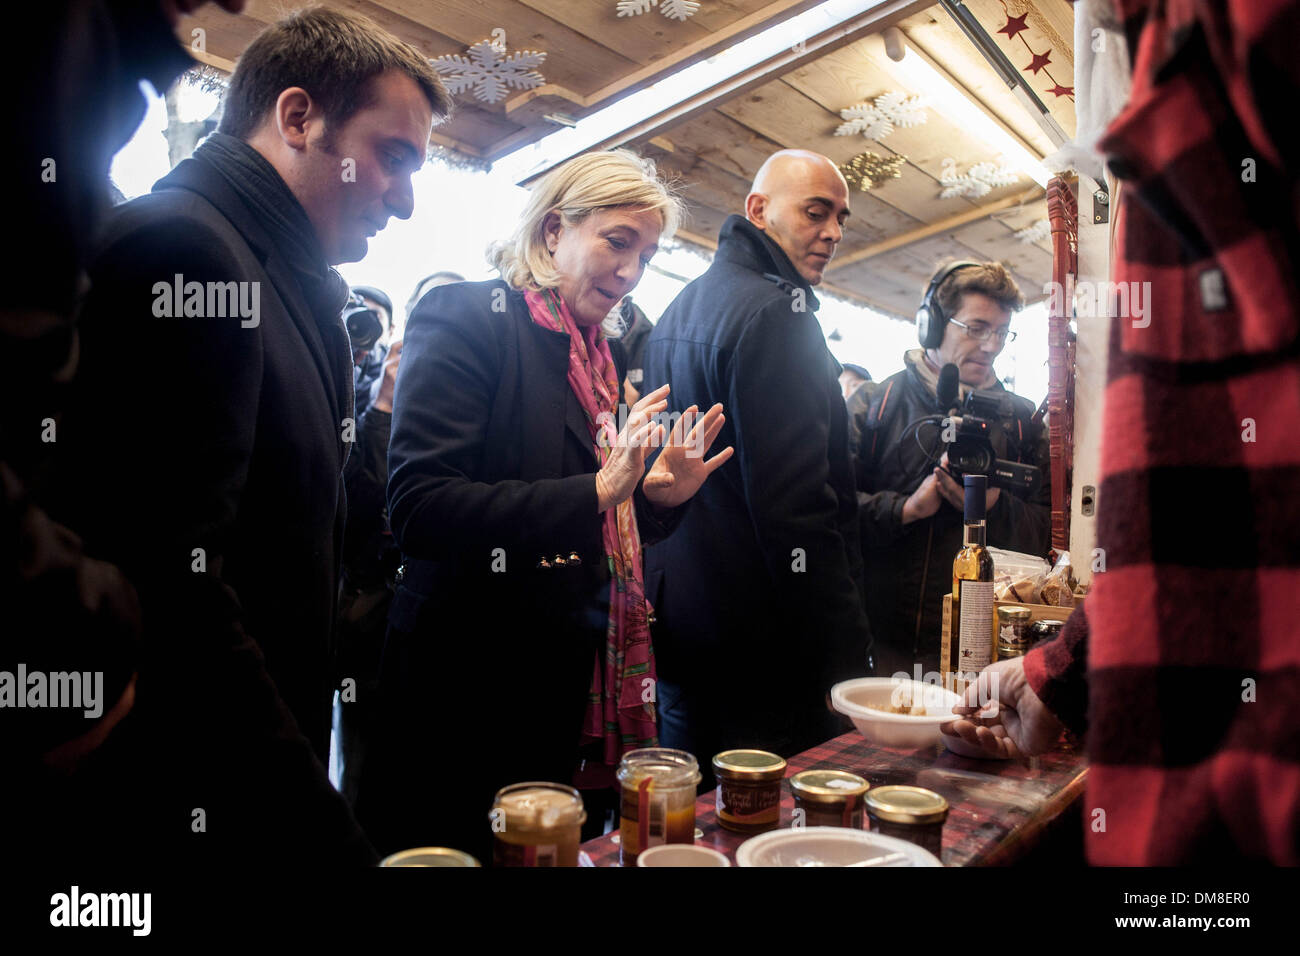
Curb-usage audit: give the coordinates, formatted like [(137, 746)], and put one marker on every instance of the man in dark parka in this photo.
[(757, 594), (208, 434)]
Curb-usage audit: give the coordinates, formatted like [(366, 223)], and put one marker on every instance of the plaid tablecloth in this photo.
[(996, 807)]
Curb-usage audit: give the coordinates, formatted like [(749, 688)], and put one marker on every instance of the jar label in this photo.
[(652, 819), (748, 803), (518, 854)]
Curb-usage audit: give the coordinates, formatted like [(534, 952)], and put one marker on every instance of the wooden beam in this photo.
[(449, 143), (877, 18), (925, 232), (211, 59), (729, 36)]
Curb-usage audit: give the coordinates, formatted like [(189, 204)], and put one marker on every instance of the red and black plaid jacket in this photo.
[(1191, 643)]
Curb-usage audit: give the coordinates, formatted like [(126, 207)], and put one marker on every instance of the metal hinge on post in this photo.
[(1100, 205)]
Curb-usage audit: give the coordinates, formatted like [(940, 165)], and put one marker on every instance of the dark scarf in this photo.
[(278, 211)]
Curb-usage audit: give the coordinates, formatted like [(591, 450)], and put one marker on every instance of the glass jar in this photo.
[(829, 798), (910, 813), (1013, 631), (749, 790), (536, 824), (430, 856), (658, 803), (1045, 630)]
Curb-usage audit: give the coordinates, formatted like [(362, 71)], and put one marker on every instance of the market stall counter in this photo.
[(998, 809)]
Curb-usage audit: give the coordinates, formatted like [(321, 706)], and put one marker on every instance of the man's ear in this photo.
[(756, 209), (294, 110)]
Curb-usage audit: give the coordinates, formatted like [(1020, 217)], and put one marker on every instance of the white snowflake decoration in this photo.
[(1035, 233), (877, 120), (673, 9), (488, 70), (976, 181)]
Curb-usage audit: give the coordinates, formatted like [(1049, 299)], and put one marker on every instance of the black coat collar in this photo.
[(744, 244), (323, 330), (554, 346)]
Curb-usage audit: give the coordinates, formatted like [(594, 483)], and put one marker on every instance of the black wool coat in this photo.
[(757, 593), (204, 456), (489, 657)]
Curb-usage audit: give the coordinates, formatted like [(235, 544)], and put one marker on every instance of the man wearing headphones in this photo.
[(910, 506)]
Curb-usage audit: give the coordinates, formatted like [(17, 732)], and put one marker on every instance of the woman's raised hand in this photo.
[(681, 468), (625, 466)]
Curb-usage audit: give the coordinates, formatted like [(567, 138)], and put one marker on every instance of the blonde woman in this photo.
[(518, 646)]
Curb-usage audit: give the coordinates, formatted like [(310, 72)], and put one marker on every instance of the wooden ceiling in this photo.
[(901, 229), (714, 142), (593, 56)]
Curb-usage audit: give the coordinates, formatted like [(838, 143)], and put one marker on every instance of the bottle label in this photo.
[(975, 644)]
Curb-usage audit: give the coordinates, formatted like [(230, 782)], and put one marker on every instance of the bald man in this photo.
[(757, 593)]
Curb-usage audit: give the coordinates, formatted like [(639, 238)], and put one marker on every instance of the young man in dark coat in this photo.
[(757, 594), (911, 507), (209, 432)]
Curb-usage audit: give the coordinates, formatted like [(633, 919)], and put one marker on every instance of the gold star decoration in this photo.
[(868, 170)]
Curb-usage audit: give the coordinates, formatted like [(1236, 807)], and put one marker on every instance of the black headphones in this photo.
[(930, 320)]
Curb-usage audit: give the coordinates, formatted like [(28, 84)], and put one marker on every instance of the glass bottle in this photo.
[(972, 591)]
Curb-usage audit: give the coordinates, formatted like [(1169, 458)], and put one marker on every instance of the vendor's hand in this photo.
[(625, 467), (1011, 706), (924, 501), (681, 468), (954, 492), (384, 400)]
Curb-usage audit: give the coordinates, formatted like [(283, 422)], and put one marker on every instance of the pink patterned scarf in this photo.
[(620, 709)]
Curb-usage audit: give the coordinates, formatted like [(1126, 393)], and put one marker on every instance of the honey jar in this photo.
[(749, 790), (658, 799), (536, 824), (1013, 631), (828, 798), (910, 813)]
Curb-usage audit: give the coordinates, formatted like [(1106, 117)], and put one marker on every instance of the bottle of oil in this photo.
[(972, 591)]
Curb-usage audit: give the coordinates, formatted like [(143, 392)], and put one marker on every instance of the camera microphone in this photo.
[(947, 388)]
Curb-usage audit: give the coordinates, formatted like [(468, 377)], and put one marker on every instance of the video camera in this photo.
[(363, 324), (970, 451)]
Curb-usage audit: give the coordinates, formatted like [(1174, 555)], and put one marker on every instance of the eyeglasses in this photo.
[(981, 333)]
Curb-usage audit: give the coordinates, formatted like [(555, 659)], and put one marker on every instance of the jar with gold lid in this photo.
[(430, 856), (658, 799), (536, 824), (910, 813), (749, 790), (828, 798), (1013, 631)]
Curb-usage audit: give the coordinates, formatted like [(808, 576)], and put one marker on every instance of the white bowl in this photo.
[(681, 854), (828, 846), (854, 698)]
